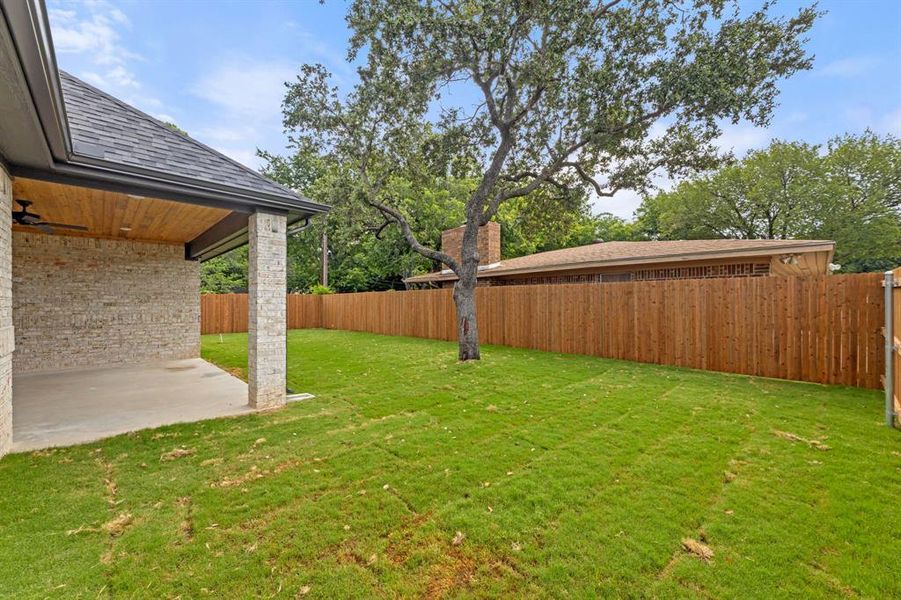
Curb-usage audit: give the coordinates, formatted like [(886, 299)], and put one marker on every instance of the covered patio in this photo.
[(76, 406), (110, 213)]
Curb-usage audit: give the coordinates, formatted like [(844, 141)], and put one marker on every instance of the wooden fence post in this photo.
[(889, 335)]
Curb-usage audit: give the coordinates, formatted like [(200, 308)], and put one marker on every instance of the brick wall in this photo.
[(489, 243), (81, 302), (6, 312)]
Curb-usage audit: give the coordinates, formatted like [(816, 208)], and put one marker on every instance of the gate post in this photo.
[(889, 335)]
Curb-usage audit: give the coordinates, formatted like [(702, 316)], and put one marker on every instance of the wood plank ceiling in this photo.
[(113, 214)]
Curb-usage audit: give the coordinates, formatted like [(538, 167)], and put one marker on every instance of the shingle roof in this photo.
[(103, 127), (632, 253)]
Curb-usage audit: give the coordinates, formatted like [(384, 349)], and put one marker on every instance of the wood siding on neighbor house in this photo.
[(656, 273), (818, 329), (809, 264)]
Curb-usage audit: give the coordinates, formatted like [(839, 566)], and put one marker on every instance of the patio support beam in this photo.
[(267, 330)]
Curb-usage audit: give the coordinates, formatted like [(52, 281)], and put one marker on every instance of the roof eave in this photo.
[(29, 29), (114, 177)]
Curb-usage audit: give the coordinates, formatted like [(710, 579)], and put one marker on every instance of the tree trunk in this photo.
[(467, 327), (465, 293)]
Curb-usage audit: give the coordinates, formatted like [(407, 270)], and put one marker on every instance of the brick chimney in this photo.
[(489, 242)]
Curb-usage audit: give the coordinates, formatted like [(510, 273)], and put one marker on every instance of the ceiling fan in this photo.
[(23, 217)]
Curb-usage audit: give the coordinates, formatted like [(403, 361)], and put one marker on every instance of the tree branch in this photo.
[(586, 177), (395, 215), (523, 175), (603, 9), (555, 165)]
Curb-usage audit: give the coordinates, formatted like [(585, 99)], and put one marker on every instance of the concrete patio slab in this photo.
[(73, 407)]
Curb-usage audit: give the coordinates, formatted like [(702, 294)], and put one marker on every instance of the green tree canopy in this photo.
[(848, 191)]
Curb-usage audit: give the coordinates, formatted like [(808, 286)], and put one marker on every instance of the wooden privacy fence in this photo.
[(223, 313), (825, 329)]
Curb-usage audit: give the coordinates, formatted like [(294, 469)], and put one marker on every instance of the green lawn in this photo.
[(564, 476)]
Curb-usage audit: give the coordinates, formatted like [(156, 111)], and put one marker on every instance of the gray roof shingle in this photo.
[(103, 127)]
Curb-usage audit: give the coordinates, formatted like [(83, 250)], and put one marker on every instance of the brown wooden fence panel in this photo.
[(824, 330), (223, 313), (304, 311)]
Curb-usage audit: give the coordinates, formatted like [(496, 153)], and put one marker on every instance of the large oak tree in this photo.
[(541, 95)]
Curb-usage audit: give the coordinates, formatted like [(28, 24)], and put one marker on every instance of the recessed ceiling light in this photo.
[(136, 197), (125, 229)]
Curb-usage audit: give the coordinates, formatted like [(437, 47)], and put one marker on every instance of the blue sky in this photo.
[(217, 68)]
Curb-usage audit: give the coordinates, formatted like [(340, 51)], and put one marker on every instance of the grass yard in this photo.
[(525, 475)]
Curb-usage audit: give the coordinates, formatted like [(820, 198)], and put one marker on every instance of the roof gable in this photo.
[(105, 128)]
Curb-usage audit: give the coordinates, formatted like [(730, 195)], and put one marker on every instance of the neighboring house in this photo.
[(99, 265), (634, 261)]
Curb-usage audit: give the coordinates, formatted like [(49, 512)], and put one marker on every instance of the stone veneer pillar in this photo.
[(267, 330), (7, 339)]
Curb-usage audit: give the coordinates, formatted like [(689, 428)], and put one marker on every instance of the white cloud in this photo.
[(117, 77), (245, 157), (92, 29), (622, 204), (246, 88), (849, 67), (247, 95)]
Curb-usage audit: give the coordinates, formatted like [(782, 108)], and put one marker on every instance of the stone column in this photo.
[(266, 338), (7, 339)]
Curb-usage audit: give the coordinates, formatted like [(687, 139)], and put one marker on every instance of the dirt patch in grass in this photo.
[(119, 524), (186, 526), (462, 564), (793, 437), (457, 564), (347, 553), (697, 548), (176, 453), (455, 573), (254, 473), (400, 548)]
